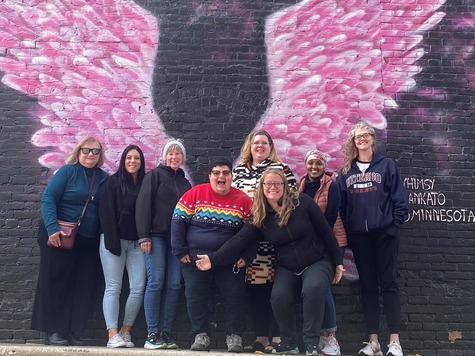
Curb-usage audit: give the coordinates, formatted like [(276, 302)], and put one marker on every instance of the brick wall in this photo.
[(218, 67)]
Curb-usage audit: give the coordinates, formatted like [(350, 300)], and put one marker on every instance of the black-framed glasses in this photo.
[(217, 173), (363, 136), (86, 151), (272, 184)]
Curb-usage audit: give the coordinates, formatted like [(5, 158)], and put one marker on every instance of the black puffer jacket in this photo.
[(161, 189)]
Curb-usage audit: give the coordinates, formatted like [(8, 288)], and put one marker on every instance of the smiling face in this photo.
[(315, 168), (273, 187), (174, 159), (363, 140), (221, 179), (133, 162), (89, 159), (260, 148)]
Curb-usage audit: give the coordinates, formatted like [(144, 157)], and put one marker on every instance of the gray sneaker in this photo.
[(201, 342), (234, 343)]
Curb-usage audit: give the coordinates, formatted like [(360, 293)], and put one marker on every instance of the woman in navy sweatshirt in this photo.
[(373, 206)]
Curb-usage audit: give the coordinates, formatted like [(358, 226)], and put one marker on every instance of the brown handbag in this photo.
[(70, 228)]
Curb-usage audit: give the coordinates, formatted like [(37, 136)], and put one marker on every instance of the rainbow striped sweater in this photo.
[(203, 221)]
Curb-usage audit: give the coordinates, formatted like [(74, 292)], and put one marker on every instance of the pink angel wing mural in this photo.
[(90, 67), (332, 63)]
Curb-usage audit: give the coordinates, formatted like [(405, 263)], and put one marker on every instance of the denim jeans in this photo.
[(163, 286), (132, 259), (197, 290), (312, 285), (329, 317)]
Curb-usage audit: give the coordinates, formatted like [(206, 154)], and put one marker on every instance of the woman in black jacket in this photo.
[(161, 189), (301, 236), (119, 246)]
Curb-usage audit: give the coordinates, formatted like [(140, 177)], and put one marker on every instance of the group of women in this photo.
[(302, 230)]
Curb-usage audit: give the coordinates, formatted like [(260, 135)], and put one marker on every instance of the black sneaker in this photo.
[(154, 342), (312, 350), (284, 348), (169, 340)]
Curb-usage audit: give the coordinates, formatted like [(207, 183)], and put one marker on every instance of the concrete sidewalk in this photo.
[(43, 350)]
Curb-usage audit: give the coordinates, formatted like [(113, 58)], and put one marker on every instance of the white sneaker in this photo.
[(332, 347), (322, 342), (371, 349), (127, 339), (394, 349), (116, 341)]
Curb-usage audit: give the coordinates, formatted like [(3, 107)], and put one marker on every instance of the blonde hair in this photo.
[(73, 158), (288, 202), (351, 152), (246, 155)]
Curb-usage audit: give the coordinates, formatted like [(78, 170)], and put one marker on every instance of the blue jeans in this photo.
[(163, 285), (329, 317), (197, 289), (312, 285), (132, 259)]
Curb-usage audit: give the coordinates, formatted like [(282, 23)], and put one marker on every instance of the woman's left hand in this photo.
[(338, 274)]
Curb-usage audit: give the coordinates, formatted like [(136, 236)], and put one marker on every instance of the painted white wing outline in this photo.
[(332, 63), (90, 66)]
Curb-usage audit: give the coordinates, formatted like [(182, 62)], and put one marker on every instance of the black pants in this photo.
[(263, 318), (376, 260), (66, 285), (311, 285)]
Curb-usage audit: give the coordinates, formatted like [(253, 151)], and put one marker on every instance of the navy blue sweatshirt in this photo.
[(372, 200)]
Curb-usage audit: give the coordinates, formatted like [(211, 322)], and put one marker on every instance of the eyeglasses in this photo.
[(95, 151), (363, 136), (263, 143), (226, 173), (272, 184)]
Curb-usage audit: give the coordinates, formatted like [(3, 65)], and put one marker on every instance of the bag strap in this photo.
[(91, 185)]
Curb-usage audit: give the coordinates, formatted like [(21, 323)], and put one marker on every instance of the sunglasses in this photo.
[(95, 151)]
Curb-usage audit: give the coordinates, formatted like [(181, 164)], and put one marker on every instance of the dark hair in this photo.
[(221, 162), (122, 173)]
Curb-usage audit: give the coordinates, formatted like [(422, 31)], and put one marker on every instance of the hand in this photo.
[(338, 274), (203, 263), (146, 247), (241, 263), (55, 240), (185, 259)]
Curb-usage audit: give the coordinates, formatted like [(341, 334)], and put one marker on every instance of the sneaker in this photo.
[(169, 340), (116, 341), (312, 350), (234, 343), (323, 342), (154, 342), (201, 342), (371, 349), (284, 348), (127, 338), (331, 347), (394, 349)]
